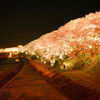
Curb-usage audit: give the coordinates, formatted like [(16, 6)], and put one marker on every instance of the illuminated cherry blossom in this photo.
[(73, 36)]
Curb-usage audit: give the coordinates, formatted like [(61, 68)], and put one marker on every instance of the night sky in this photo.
[(22, 21)]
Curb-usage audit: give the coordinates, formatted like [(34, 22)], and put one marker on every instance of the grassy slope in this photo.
[(93, 70), (90, 77)]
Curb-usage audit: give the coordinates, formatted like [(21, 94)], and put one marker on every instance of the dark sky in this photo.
[(22, 21)]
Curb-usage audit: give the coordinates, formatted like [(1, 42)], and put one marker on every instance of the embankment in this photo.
[(68, 87)]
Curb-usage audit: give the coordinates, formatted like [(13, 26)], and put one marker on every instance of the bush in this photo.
[(97, 58), (33, 57), (78, 64)]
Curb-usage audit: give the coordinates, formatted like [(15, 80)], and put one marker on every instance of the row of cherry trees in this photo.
[(77, 37)]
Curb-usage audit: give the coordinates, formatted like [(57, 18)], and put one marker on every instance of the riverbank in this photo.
[(68, 86)]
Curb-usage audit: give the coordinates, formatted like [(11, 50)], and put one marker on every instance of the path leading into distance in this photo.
[(28, 85)]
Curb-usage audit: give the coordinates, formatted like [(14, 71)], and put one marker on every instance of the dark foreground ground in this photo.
[(28, 85), (35, 82)]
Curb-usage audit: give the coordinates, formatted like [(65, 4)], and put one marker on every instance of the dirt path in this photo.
[(28, 85)]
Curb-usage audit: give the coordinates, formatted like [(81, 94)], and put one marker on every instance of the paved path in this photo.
[(28, 85)]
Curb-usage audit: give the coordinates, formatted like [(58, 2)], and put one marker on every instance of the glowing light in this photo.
[(44, 62), (60, 56), (20, 46), (17, 60), (37, 56), (90, 46), (26, 53), (95, 39), (22, 51), (52, 64), (10, 55), (71, 49)]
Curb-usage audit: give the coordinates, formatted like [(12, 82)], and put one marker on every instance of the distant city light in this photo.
[(19, 48), (10, 55)]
